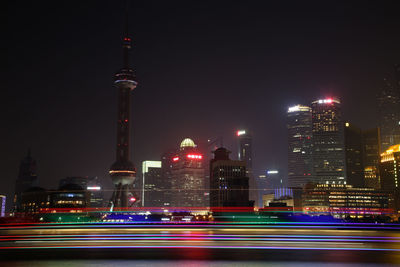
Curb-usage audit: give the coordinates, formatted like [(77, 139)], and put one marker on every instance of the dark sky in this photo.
[(205, 68)]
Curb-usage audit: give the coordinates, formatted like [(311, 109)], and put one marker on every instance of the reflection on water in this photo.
[(181, 263)]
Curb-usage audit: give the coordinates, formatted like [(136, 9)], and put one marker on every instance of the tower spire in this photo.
[(126, 39)]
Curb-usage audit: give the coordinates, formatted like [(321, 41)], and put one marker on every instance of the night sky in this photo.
[(204, 69)]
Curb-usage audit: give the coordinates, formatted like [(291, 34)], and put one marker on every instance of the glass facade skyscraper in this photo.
[(245, 154), (328, 141), (389, 115), (299, 125)]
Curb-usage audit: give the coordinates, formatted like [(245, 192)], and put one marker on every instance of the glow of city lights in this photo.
[(132, 199), (240, 132), (93, 188), (194, 156), (175, 158), (272, 172)]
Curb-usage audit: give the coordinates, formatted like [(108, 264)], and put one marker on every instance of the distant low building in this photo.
[(344, 200), (90, 184), (2, 205)]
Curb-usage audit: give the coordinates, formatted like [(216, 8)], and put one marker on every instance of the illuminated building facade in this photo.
[(27, 178), (229, 184), (2, 205), (328, 144), (390, 168), (71, 196), (34, 200), (123, 172), (371, 157), (342, 200), (152, 194), (299, 125), (245, 153), (187, 176), (90, 184), (353, 146), (389, 115)]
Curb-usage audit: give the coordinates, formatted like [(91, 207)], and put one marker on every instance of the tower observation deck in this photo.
[(123, 172)]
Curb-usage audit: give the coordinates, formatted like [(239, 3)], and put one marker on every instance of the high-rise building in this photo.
[(187, 176), (390, 168), (27, 178), (229, 184), (123, 172), (328, 143), (299, 125), (371, 157), (166, 174), (245, 153), (353, 146), (274, 179), (152, 194), (389, 115)]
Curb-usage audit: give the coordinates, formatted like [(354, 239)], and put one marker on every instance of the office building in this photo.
[(27, 178), (353, 145), (90, 184), (152, 194), (343, 201), (245, 153), (187, 176), (299, 125), (390, 168), (389, 115), (371, 157), (229, 184), (328, 144), (166, 174), (70, 197)]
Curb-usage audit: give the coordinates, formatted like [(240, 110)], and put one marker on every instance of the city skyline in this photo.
[(44, 146)]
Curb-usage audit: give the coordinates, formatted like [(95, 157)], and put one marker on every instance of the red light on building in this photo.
[(132, 199), (175, 159), (194, 156)]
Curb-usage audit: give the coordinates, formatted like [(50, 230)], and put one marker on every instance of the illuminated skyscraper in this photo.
[(328, 143), (229, 185), (390, 168), (245, 154), (389, 115), (187, 176), (152, 193), (299, 124), (122, 172), (27, 178)]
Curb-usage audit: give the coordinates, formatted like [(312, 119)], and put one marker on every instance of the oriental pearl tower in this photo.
[(123, 172)]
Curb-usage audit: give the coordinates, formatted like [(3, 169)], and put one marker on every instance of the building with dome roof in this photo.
[(187, 143), (187, 176)]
